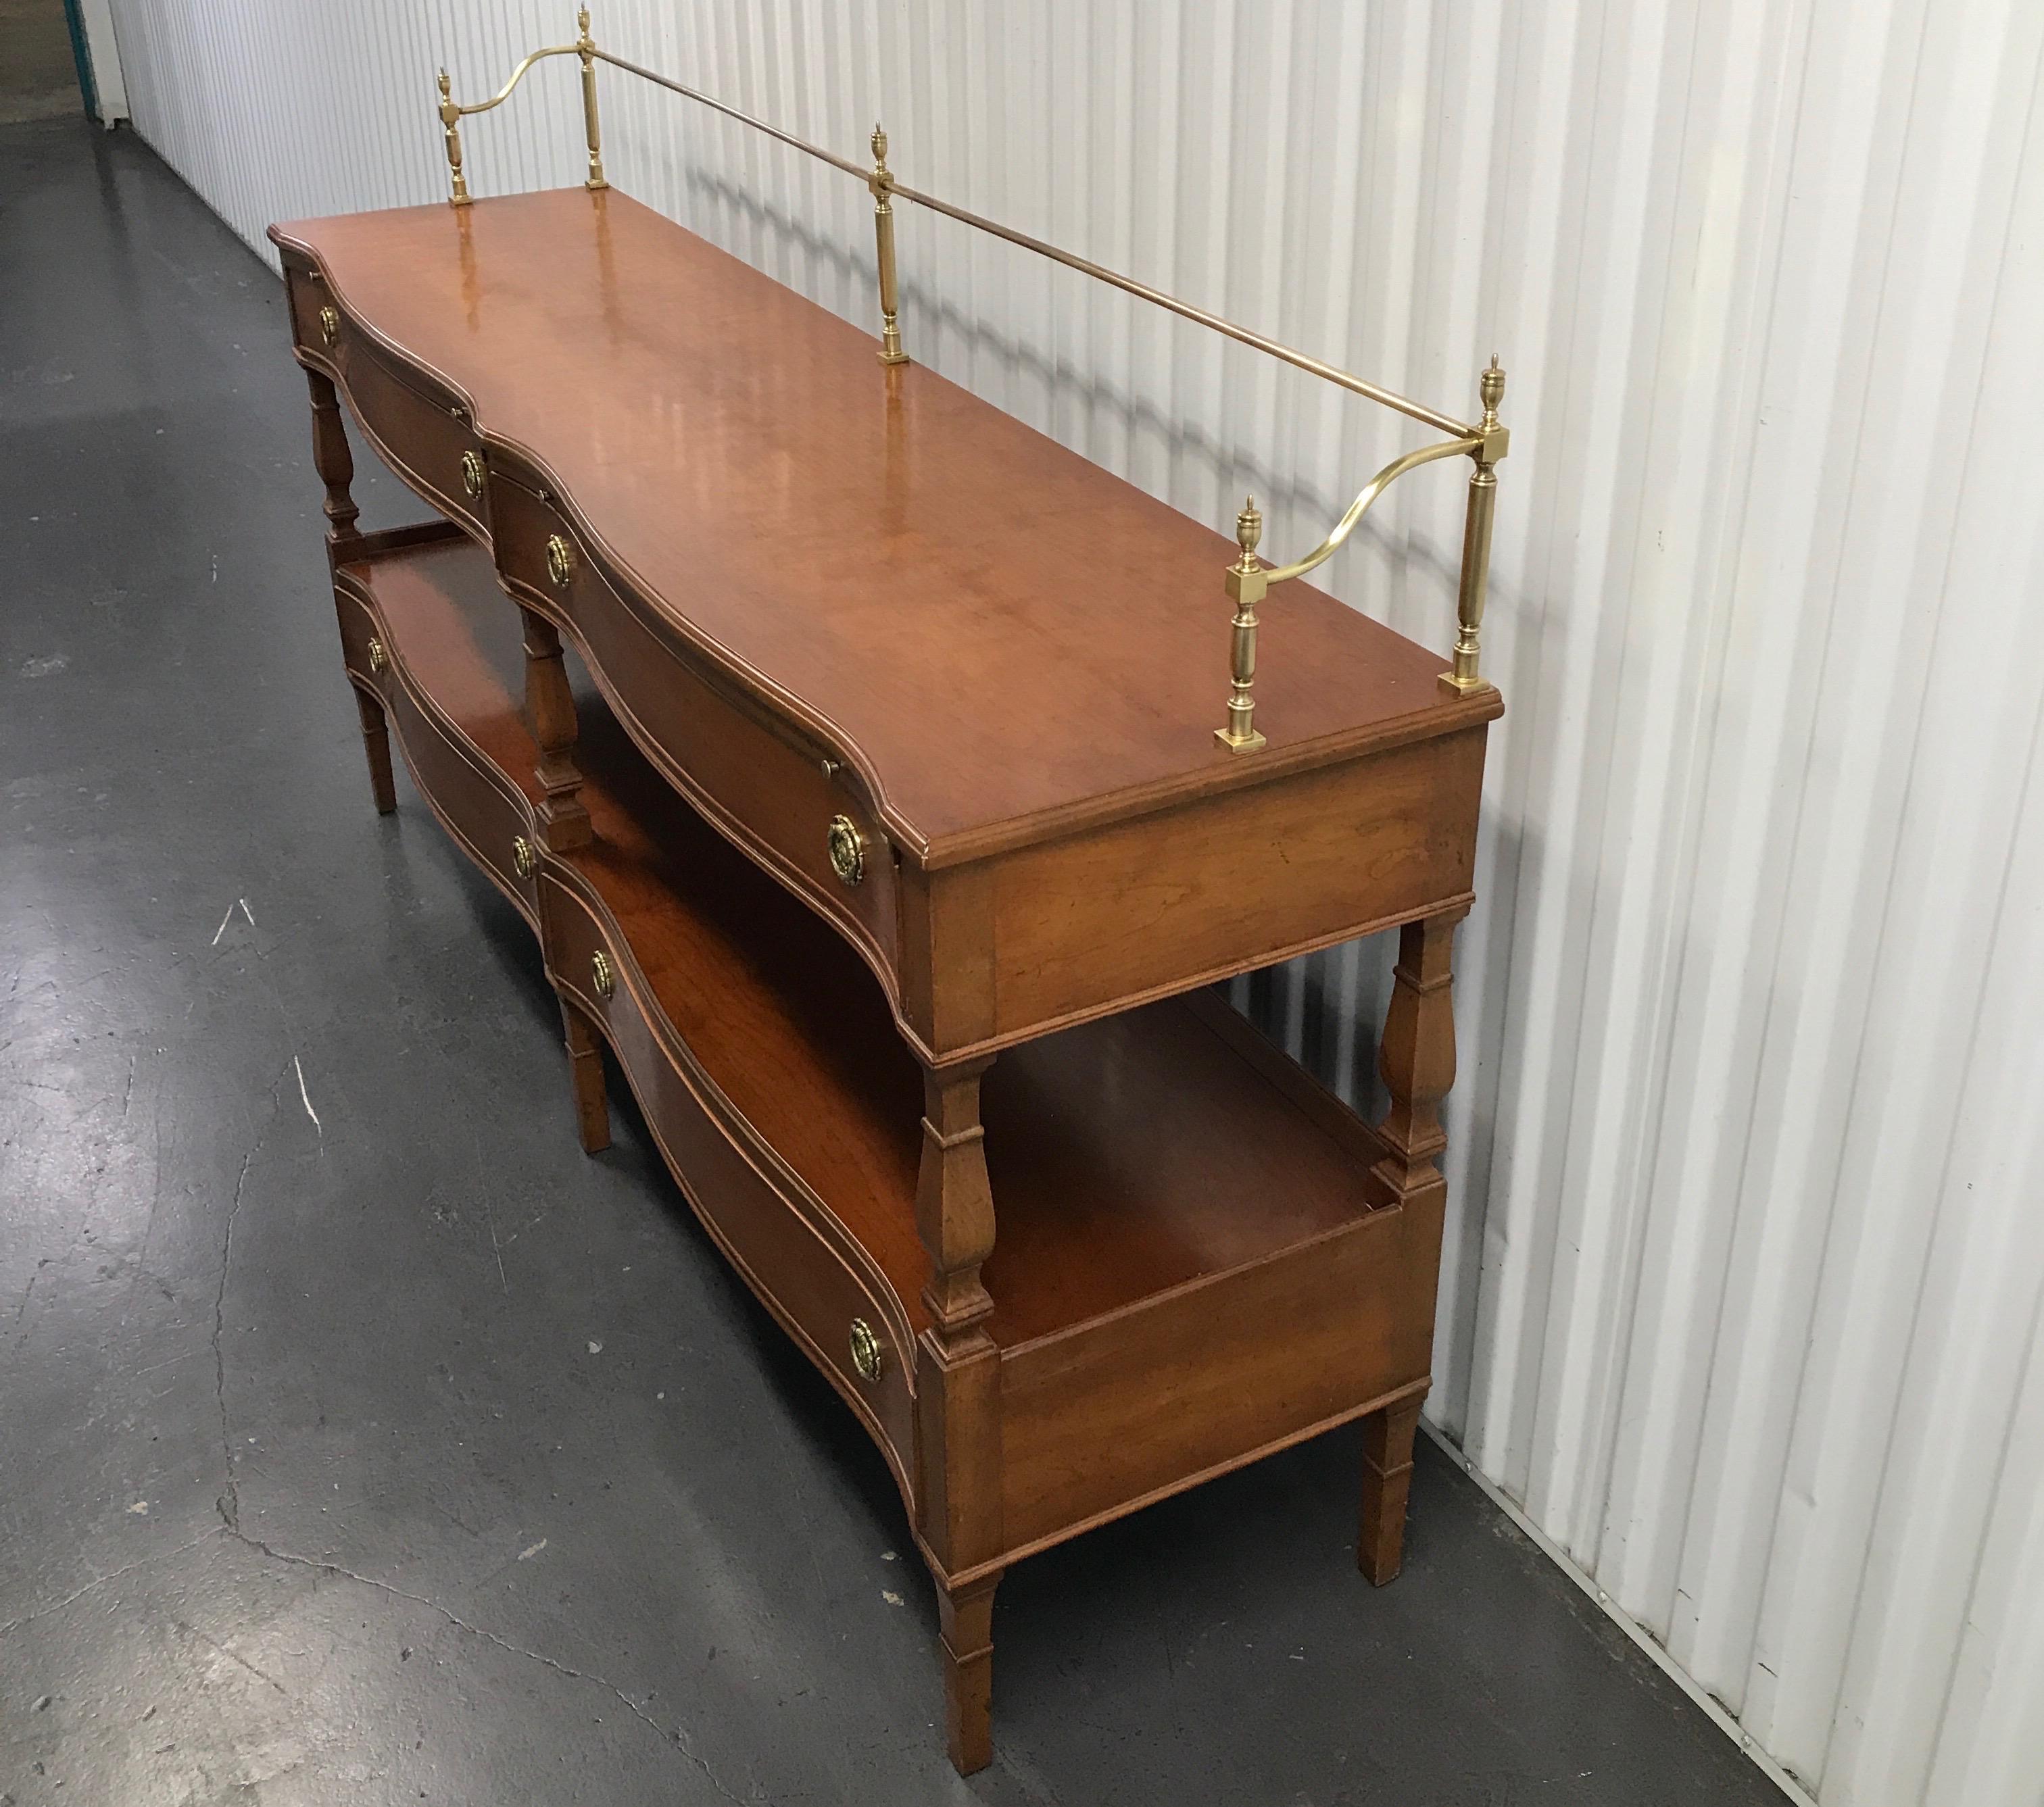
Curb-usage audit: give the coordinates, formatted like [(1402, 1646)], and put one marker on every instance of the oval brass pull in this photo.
[(471, 473), (560, 559), (601, 975), (378, 657), (329, 321), (522, 856), (847, 849), (868, 1354)]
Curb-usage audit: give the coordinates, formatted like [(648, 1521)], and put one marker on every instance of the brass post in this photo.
[(881, 182), (450, 120), (586, 49), (1476, 535), (1247, 583)]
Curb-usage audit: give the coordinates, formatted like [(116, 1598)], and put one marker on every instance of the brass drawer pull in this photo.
[(847, 849), (601, 976), (378, 657), (329, 323), (560, 560), (522, 856), (471, 473), (868, 1354)]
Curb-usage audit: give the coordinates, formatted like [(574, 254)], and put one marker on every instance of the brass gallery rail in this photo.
[(1247, 580)]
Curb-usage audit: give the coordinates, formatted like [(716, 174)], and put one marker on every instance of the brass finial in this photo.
[(1493, 442), (1247, 583), (451, 136), (1490, 385), (881, 183), (1248, 531), (585, 50)]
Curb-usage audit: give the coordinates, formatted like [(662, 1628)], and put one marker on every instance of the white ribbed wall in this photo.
[(1743, 1278)]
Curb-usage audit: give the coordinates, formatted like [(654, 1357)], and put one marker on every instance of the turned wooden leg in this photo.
[(563, 821), (958, 1393), (966, 1631), (958, 1399), (376, 743), (335, 465), (1417, 1056), (586, 1071), (1417, 1059), (1387, 1479)]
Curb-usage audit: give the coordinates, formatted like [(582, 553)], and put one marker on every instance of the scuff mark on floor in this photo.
[(306, 1098), (677, 1738)]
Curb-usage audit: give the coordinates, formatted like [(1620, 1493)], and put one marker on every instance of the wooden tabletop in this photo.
[(1007, 637)]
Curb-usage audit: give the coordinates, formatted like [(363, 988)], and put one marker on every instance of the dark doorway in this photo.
[(39, 75)]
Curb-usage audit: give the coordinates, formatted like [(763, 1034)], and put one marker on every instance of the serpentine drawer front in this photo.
[(884, 783), (774, 797), (421, 427)]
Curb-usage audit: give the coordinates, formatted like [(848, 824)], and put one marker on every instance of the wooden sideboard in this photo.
[(850, 748)]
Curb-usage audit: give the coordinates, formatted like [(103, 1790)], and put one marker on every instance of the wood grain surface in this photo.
[(1005, 639)]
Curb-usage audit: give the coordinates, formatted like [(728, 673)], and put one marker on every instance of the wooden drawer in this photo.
[(784, 803), (422, 432), (802, 1268), (467, 792)]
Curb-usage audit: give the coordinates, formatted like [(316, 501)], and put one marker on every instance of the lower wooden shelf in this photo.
[(1190, 1269)]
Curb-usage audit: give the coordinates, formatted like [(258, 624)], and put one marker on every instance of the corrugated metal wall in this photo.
[(1742, 1288)]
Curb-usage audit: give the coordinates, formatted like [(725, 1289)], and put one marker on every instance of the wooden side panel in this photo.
[(1163, 902), (1108, 1416)]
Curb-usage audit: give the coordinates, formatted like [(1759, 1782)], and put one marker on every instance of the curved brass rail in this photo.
[(1248, 581), (517, 75), (1366, 499)]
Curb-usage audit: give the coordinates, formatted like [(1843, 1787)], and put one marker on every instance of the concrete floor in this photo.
[(364, 1442)]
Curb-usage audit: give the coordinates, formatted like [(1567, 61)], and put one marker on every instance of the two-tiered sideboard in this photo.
[(880, 828)]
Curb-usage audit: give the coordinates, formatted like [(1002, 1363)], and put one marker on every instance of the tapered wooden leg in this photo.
[(957, 1365), (965, 1633), (561, 819), (957, 1401), (376, 743), (585, 1070), (1387, 1479), (1417, 1056), (335, 465), (1417, 1059)]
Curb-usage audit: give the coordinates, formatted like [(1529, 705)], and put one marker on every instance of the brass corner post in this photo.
[(586, 49), (451, 123), (1493, 440), (881, 182), (1247, 584)]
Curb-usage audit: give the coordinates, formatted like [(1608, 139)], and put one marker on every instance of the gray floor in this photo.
[(363, 1442)]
